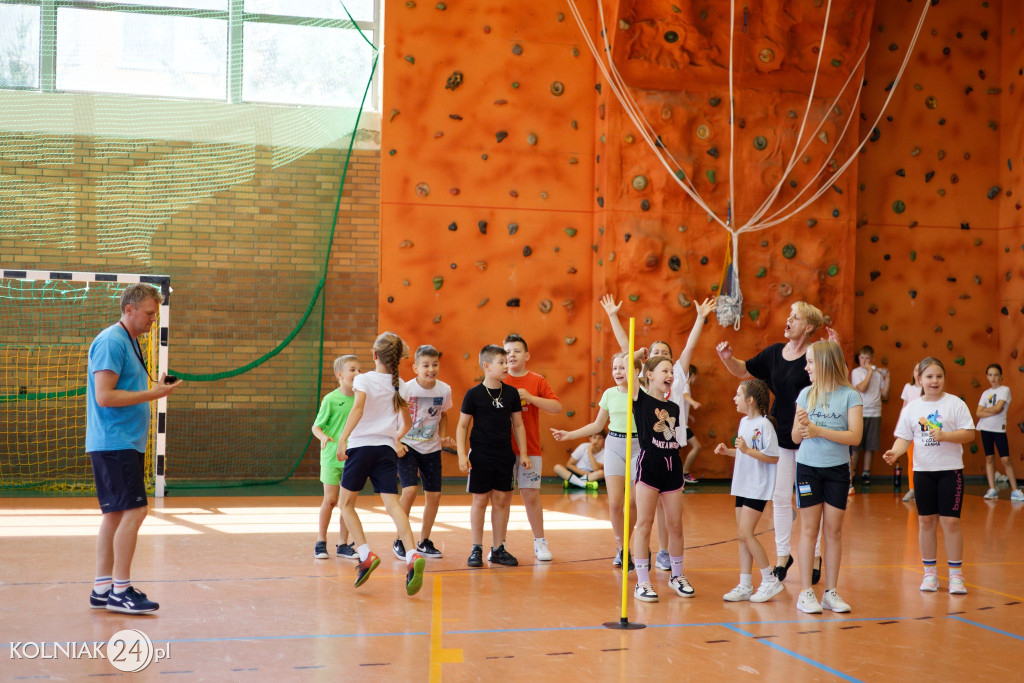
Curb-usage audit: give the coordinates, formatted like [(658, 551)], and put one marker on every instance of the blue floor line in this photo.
[(795, 655), (988, 628)]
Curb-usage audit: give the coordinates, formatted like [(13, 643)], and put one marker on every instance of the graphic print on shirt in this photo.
[(992, 400), (666, 423), (933, 421), (757, 440), (423, 410)]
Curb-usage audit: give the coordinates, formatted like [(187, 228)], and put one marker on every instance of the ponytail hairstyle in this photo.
[(927, 363), (652, 363), (389, 348), (830, 371), (758, 390)]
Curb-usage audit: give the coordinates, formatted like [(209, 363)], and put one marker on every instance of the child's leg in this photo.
[(597, 475), (854, 459), (646, 510), (746, 522), (430, 505), (408, 498), (400, 517), (327, 509), (616, 499), (867, 462), (501, 504), (673, 504), (662, 527), (476, 516), (927, 535), (347, 505), (833, 544), (990, 469), (563, 472), (692, 455), (534, 512), (1008, 468), (954, 539), (810, 520)]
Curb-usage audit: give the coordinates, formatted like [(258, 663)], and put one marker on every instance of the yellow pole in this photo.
[(629, 453)]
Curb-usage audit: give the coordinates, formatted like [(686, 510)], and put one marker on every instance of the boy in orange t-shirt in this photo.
[(536, 396)]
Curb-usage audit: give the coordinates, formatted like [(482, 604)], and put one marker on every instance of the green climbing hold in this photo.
[(789, 251), (760, 142), (754, 313), (438, 282), (959, 361), (680, 174), (571, 232), (974, 448), (913, 256), (833, 270), (710, 173), (898, 206), (836, 62), (515, 84), (634, 297), (762, 272)]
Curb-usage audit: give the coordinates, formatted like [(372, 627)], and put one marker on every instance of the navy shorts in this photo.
[(428, 465), (662, 473), (817, 485), (487, 474), (376, 463), (120, 479), (995, 441), (939, 493), (752, 503)]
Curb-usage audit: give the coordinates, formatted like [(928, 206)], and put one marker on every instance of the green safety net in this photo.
[(237, 202)]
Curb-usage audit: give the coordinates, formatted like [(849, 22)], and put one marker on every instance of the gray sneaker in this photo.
[(663, 561)]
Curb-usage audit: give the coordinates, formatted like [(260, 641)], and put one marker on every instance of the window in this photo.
[(273, 51)]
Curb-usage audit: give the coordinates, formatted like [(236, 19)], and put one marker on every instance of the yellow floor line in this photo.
[(438, 654)]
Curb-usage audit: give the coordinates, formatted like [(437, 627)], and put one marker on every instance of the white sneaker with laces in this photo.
[(739, 593), (807, 602), (831, 601), (540, 549), (1017, 495), (645, 592), (768, 589), (681, 586), (930, 583), (991, 494), (956, 585)]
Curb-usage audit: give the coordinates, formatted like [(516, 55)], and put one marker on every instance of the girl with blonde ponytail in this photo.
[(369, 448)]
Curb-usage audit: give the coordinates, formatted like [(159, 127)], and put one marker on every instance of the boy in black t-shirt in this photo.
[(494, 410)]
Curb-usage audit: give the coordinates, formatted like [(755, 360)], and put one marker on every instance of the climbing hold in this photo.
[(482, 227), (639, 183), (833, 270), (392, 152), (454, 191), (572, 271), (823, 136), (437, 318), (713, 152), (454, 81), (452, 226), (929, 175), (453, 266), (703, 260), (874, 274), (836, 62), (512, 303), (901, 173), (410, 4), (531, 139), (898, 206), (960, 361), (754, 313), (557, 88), (627, 236), (569, 304), (761, 272), (545, 306), (766, 55), (482, 302), (913, 256), (648, 321), (914, 152), (513, 194), (683, 301), (410, 59), (422, 190), (760, 142), (391, 299), (405, 244), (517, 49), (501, 135), (994, 192), (611, 256), (671, 36), (835, 213), (570, 340), (527, 251), (703, 131), (674, 263), (624, 25), (513, 228), (438, 283), (875, 134), (406, 283), (645, 205), (481, 265), (789, 251), (913, 294), (931, 102), (710, 173), (600, 202), (571, 232), (515, 85)]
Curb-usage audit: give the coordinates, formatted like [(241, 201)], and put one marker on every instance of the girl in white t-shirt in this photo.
[(938, 424), (584, 467), (991, 414), (614, 407), (911, 392), (378, 421), (753, 481)]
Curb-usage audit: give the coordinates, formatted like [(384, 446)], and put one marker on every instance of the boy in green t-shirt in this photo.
[(329, 423)]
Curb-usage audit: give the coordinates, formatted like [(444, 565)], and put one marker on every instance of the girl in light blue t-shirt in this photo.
[(829, 419)]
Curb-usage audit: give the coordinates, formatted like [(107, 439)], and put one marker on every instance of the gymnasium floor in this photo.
[(243, 599)]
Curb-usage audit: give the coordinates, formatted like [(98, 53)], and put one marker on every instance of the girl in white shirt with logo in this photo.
[(938, 424), (991, 414)]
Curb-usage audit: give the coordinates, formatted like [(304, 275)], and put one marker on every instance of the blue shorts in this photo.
[(427, 465), (376, 463), (120, 479)]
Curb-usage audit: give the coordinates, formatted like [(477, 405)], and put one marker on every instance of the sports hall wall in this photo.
[(516, 191)]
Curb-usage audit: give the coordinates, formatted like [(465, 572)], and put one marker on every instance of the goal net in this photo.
[(48, 320)]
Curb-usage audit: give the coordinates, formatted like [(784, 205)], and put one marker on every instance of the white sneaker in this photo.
[(768, 589), (910, 497), (739, 593), (956, 585), (645, 592), (831, 600), (681, 586), (991, 494), (807, 602), (540, 549), (1001, 478), (1017, 495), (930, 583)]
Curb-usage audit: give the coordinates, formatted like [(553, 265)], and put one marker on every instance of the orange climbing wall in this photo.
[(511, 175)]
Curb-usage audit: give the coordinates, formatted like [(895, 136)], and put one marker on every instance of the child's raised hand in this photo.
[(558, 434), (724, 350), (705, 307), (609, 305), (890, 457), (833, 336)]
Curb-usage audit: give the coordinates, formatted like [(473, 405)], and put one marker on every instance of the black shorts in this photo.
[(660, 472), (689, 433), (120, 479), (376, 463), (752, 503), (817, 485), (428, 465), (993, 441), (488, 474), (939, 493)]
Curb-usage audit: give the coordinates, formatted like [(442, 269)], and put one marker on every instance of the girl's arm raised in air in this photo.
[(703, 310), (612, 309), (594, 427)]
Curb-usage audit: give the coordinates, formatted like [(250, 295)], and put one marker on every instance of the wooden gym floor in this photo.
[(242, 598)]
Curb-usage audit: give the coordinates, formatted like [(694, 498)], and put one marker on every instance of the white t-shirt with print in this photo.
[(911, 392), (752, 478), (579, 457), (426, 408), (949, 414), (872, 396), (997, 422), (378, 425)]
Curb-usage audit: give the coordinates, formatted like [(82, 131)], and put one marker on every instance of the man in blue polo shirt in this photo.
[(117, 428)]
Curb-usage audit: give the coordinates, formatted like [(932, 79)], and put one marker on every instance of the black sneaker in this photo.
[(865, 479), (346, 551), (618, 560), (501, 556), (365, 568), (98, 600), (130, 601), (320, 550), (426, 549), (476, 557), (398, 548)]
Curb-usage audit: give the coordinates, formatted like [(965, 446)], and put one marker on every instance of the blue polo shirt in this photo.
[(112, 429)]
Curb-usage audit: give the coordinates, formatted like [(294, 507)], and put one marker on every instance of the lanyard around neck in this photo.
[(137, 348)]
